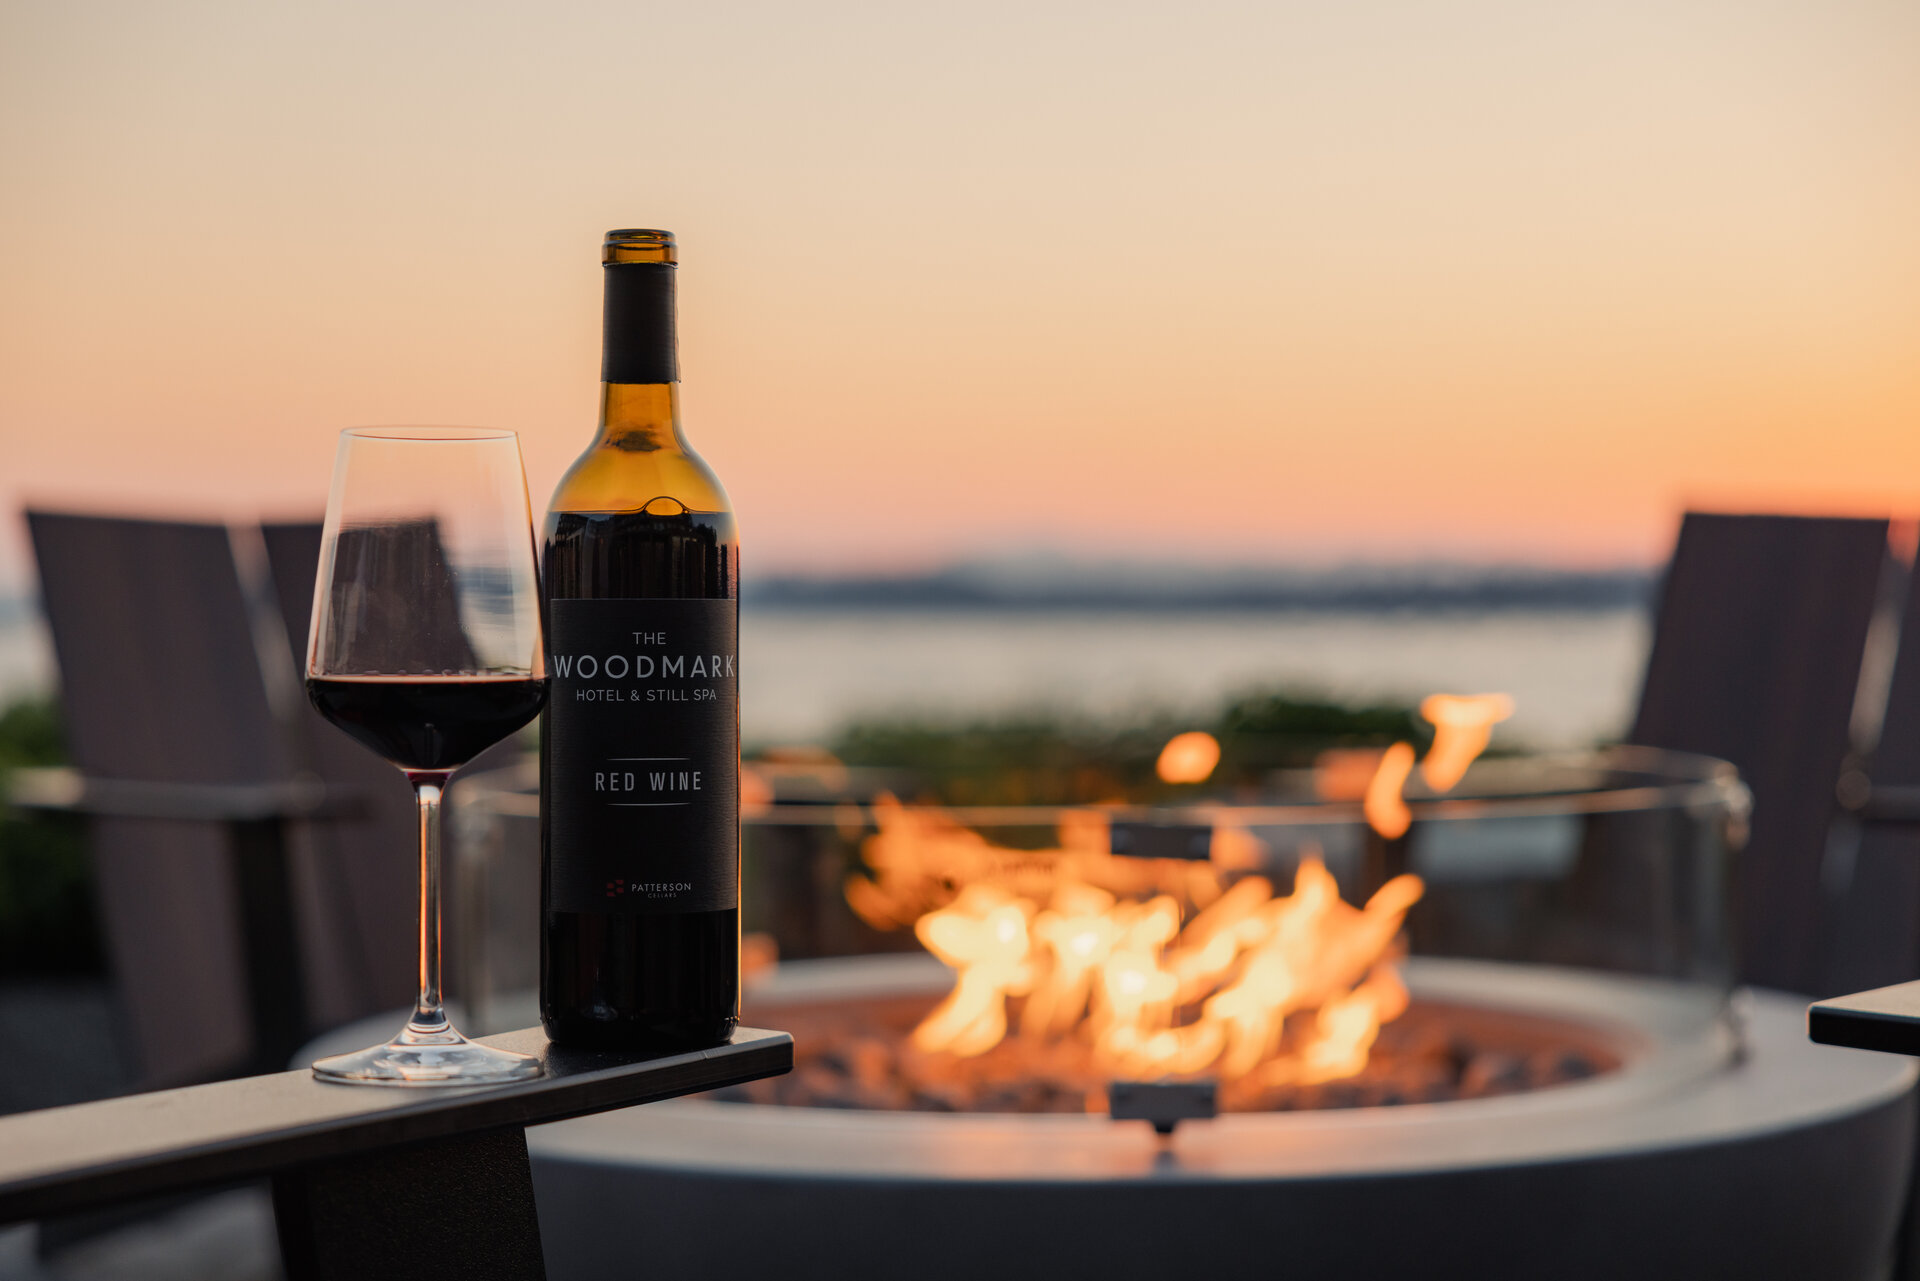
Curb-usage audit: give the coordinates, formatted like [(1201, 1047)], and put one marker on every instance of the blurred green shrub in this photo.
[(46, 899), (1042, 759), (1017, 760), (1264, 731)]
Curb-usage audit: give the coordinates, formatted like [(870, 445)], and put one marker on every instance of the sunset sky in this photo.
[(1258, 282)]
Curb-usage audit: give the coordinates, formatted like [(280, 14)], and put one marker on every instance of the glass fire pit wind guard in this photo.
[(1611, 868), (1618, 862)]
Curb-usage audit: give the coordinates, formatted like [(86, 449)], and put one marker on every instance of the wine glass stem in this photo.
[(427, 787)]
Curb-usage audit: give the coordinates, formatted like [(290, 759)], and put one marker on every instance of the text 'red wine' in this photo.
[(640, 742)]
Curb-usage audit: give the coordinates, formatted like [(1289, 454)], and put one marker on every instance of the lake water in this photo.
[(1573, 675)]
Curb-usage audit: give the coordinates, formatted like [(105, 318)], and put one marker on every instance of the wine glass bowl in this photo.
[(426, 648)]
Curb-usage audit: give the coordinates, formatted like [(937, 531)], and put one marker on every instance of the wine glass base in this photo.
[(428, 1057)]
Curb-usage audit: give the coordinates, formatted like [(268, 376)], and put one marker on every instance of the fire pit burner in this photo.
[(857, 1054)]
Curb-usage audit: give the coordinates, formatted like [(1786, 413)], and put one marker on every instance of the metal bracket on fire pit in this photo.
[(1163, 1104), (1192, 841)]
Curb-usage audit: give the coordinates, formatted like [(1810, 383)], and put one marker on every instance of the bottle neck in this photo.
[(638, 345), (639, 360), (641, 418)]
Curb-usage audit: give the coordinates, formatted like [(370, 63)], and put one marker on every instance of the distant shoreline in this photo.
[(1452, 591), (966, 589)]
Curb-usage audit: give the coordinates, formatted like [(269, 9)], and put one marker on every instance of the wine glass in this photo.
[(426, 648)]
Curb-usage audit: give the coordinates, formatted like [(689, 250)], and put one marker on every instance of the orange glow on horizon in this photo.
[(1327, 283)]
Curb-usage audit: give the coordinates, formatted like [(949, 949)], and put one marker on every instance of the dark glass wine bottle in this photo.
[(640, 741)]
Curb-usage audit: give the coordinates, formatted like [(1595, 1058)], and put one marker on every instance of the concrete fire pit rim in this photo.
[(1786, 1083)]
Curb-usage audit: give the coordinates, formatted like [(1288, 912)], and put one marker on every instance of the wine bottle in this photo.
[(640, 740)]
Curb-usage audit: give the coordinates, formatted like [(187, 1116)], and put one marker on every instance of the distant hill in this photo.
[(1056, 586)]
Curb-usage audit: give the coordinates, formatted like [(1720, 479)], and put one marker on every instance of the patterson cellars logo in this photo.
[(648, 889)]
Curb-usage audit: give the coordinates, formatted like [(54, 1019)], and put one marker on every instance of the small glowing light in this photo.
[(756, 792), (1189, 757)]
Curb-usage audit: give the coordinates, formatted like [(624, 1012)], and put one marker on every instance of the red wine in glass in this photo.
[(426, 648), (428, 722)]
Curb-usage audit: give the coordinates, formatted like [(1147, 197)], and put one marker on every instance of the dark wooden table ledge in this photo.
[(367, 1180)]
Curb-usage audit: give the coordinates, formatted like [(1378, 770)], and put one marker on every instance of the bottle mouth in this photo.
[(639, 245)]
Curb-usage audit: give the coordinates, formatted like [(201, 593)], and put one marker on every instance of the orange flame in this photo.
[(1189, 758), (1462, 728), (1273, 990), (1386, 810), (983, 936), (1122, 975)]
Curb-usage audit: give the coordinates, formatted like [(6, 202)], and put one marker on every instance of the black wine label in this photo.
[(643, 758), (637, 342)]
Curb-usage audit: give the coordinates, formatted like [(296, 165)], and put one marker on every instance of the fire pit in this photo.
[(1678, 1164), (1558, 1083)]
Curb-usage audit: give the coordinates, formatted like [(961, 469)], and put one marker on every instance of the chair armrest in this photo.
[(69, 791)]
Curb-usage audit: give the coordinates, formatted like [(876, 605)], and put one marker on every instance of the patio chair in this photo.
[(1757, 653), (188, 783), (1872, 873), (253, 864)]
